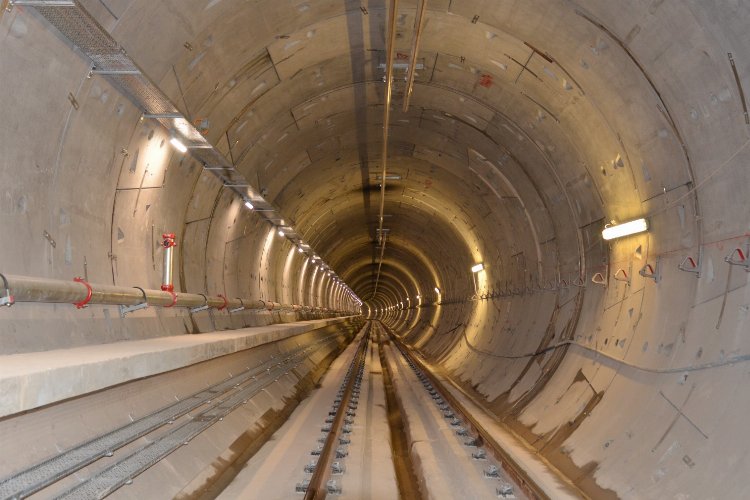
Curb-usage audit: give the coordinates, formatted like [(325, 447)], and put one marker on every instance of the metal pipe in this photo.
[(82, 293), (168, 244), (386, 118), (411, 71)]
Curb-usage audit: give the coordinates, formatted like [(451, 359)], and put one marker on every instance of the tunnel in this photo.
[(193, 190)]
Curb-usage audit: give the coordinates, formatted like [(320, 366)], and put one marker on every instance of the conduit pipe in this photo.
[(81, 293), (411, 71), (386, 118)]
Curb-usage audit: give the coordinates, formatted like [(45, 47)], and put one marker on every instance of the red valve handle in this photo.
[(169, 240)]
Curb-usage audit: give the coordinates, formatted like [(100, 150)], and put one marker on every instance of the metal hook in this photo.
[(622, 275), (743, 261), (689, 265), (598, 278)]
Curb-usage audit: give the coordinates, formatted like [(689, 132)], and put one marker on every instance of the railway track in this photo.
[(511, 479), (336, 429)]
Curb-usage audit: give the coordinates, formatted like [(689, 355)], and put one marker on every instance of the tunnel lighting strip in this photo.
[(386, 118), (111, 61), (626, 229)]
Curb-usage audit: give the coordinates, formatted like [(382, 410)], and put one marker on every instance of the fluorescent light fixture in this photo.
[(249, 205), (626, 229), (437, 290), (477, 267), (178, 145), (300, 250), (281, 232)]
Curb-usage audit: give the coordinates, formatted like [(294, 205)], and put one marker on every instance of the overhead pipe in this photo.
[(81, 293), (386, 118), (411, 71)]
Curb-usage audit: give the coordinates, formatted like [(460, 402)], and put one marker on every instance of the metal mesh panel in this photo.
[(145, 94), (47, 472), (86, 34), (75, 23)]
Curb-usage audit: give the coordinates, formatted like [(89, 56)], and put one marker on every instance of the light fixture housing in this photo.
[(625, 229), (477, 267), (178, 145)]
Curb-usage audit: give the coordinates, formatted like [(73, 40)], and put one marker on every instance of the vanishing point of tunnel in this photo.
[(374, 249)]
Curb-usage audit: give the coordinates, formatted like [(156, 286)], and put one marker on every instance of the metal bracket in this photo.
[(649, 271), (200, 308), (689, 265), (742, 261), (238, 309), (112, 72), (598, 278), (129, 309), (8, 299), (622, 275), (162, 115)]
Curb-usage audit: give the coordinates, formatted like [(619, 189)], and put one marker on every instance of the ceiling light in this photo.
[(437, 290), (249, 205), (477, 267), (281, 232), (626, 229), (178, 145), (300, 250)]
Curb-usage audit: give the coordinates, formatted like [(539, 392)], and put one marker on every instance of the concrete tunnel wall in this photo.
[(532, 124)]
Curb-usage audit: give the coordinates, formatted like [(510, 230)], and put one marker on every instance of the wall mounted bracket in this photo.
[(740, 259), (652, 272), (204, 307)]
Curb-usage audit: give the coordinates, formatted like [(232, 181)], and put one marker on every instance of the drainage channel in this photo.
[(509, 478), (408, 484), (332, 445), (220, 399)]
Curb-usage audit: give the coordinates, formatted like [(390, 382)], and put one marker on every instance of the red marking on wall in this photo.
[(485, 81), (401, 56)]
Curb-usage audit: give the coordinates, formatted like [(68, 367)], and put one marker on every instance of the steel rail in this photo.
[(516, 472), (39, 476), (317, 489)]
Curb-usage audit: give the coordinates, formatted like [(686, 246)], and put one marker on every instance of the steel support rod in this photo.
[(386, 119), (411, 71), (29, 289)]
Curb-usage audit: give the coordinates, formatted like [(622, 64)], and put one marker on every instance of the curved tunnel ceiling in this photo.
[(532, 124), (481, 151)]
